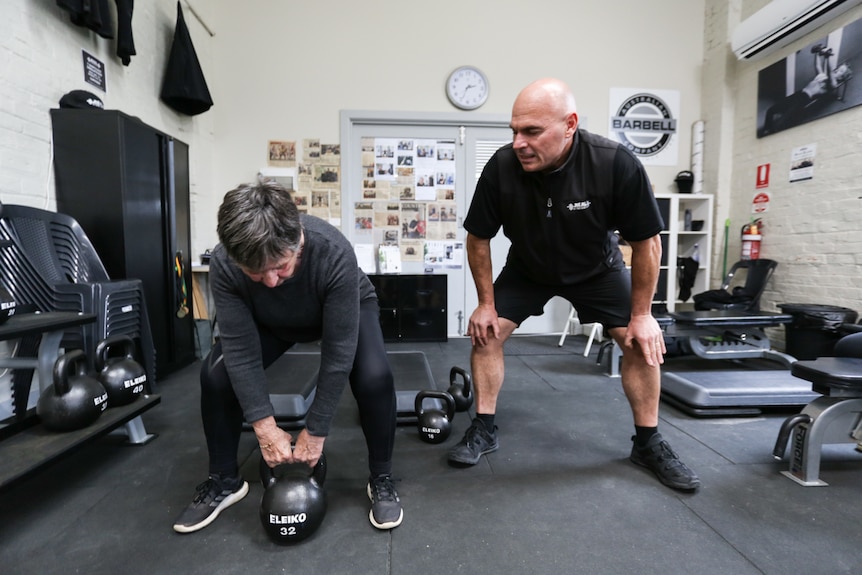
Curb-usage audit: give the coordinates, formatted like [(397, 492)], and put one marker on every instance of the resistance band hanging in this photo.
[(180, 284)]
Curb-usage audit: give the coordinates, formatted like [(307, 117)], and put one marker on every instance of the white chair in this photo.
[(595, 332), (573, 323)]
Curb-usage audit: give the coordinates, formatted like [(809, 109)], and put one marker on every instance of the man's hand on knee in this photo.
[(644, 336)]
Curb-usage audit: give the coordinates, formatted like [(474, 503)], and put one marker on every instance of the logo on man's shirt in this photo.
[(572, 206)]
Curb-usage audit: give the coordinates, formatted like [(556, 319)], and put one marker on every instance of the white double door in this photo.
[(474, 143)]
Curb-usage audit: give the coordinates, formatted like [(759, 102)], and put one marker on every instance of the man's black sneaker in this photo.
[(211, 497), (386, 512), (477, 441), (658, 457)]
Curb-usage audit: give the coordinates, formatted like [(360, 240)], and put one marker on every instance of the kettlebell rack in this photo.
[(31, 445), (34, 447)]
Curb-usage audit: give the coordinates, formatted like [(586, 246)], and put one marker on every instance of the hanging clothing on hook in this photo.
[(95, 15), (125, 39), (92, 14), (184, 87)]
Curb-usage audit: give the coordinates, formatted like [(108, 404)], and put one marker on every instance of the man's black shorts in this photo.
[(606, 298)]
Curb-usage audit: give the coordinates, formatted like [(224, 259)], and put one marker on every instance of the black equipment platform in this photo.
[(734, 392), (293, 381), (412, 375)]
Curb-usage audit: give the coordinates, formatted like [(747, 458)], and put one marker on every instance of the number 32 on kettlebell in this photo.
[(294, 503), (434, 425)]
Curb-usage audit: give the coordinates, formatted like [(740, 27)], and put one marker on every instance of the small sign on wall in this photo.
[(762, 176), (760, 202), (94, 71), (802, 162)]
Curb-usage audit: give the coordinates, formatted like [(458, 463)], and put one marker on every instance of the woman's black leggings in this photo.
[(371, 382)]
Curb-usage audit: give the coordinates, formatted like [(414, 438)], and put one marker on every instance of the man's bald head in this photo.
[(547, 93), (544, 121)]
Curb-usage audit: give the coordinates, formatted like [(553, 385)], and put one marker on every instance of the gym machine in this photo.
[(732, 335), (728, 335)]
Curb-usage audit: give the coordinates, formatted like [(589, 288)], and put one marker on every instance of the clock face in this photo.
[(467, 88)]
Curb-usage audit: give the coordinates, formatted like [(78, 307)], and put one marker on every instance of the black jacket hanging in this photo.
[(184, 88), (92, 14), (125, 39)]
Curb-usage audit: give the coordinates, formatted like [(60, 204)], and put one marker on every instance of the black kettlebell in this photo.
[(74, 400), (434, 425), (294, 501), (7, 305), (460, 392), (123, 378)]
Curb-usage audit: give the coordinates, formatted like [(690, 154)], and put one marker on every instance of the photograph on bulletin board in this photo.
[(811, 83), (281, 154)]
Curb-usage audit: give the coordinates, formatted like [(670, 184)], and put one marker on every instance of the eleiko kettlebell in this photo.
[(294, 501), (123, 378), (74, 400), (7, 305), (434, 425), (460, 392)]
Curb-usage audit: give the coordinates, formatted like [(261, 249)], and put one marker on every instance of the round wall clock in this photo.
[(467, 88)]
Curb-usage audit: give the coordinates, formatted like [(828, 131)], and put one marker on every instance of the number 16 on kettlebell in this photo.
[(434, 425)]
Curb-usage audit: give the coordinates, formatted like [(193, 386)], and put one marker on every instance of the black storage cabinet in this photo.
[(815, 328), (412, 307), (127, 184)]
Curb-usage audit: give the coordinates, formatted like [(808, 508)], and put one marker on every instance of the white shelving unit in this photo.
[(679, 241)]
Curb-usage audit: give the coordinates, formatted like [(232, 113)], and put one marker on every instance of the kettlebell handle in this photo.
[(75, 359), (318, 473), (465, 377), (435, 394), (114, 341)]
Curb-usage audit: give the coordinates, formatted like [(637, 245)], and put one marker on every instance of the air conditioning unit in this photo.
[(781, 22)]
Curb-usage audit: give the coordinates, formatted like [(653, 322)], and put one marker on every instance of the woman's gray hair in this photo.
[(258, 224)]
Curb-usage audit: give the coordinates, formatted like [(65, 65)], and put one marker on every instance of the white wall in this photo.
[(285, 69)]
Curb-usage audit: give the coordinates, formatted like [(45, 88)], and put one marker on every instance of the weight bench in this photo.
[(834, 417)]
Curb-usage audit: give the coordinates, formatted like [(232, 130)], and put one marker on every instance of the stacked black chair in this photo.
[(741, 297), (48, 264)]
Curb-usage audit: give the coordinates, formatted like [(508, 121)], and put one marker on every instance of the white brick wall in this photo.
[(812, 227), (40, 60)]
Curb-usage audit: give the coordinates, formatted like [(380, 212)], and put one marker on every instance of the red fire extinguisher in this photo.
[(752, 235)]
